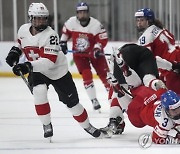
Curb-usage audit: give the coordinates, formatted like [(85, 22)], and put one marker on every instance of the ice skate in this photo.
[(48, 131), (116, 126), (96, 105), (97, 133)]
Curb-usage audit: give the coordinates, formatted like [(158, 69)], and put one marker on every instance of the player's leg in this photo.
[(67, 93), (143, 62), (101, 67), (41, 103), (116, 122), (84, 69)]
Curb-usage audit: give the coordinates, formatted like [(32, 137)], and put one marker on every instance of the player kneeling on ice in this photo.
[(47, 65)]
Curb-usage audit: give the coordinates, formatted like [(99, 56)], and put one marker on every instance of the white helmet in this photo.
[(38, 10)]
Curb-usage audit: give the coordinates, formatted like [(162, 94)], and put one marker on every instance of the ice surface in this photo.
[(21, 131)]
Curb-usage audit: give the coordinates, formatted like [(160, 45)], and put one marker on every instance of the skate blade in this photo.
[(107, 134)]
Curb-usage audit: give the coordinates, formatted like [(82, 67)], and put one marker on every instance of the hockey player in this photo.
[(88, 40), (47, 65), (162, 44), (158, 110), (131, 67)]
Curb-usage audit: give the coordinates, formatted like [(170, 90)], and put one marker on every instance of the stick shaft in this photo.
[(25, 81)]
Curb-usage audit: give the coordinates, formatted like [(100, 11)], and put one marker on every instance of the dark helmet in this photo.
[(82, 6), (146, 12), (170, 100)]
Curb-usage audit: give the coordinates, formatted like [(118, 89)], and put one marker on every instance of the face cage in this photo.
[(39, 28), (177, 117)]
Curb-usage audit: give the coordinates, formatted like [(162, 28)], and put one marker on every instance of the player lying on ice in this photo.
[(141, 102)]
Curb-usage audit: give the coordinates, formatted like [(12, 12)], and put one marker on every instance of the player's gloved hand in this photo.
[(114, 83), (176, 67), (63, 45), (111, 79), (121, 63), (13, 56), (97, 53), (119, 59), (24, 68)]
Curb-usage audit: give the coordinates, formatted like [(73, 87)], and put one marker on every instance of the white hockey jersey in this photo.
[(43, 51), (159, 41)]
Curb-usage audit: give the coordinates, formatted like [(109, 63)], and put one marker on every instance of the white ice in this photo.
[(21, 131)]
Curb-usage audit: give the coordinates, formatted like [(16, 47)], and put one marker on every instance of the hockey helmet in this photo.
[(145, 12), (82, 6), (170, 101), (38, 10)]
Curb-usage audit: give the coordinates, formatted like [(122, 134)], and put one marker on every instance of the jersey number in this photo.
[(142, 40), (164, 124), (53, 40)]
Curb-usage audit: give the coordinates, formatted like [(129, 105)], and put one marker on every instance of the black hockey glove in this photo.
[(176, 67), (13, 56), (24, 68), (97, 53), (63, 45)]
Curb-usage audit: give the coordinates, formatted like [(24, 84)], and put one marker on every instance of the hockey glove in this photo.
[(176, 67), (24, 68), (63, 45), (97, 53), (122, 64), (114, 83), (13, 56)]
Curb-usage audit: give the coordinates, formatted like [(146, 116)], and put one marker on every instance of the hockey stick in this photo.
[(26, 82), (102, 54)]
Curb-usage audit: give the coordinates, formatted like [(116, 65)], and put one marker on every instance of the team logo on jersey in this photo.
[(50, 51), (82, 43)]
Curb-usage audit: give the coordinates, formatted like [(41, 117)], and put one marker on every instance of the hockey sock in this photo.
[(80, 115), (91, 91), (115, 109)]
